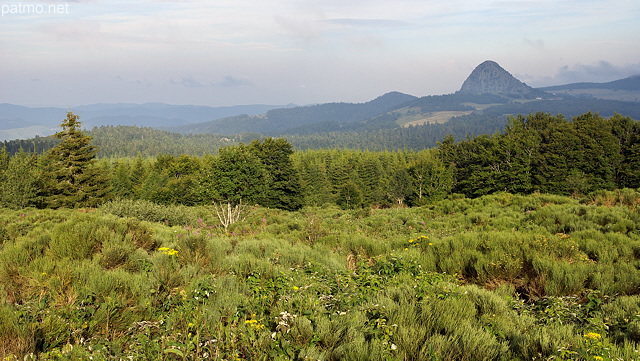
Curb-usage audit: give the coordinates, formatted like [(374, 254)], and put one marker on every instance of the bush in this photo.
[(151, 212)]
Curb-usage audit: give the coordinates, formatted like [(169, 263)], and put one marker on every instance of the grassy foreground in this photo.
[(502, 277)]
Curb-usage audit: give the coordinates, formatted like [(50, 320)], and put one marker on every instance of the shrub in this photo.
[(151, 212)]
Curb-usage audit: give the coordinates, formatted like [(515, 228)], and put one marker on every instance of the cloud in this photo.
[(601, 71), (228, 81), (538, 43), (302, 29), (372, 23), (232, 81), (188, 82)]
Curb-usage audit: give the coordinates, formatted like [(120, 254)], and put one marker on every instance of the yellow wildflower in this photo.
[(592, 336), (168, 251)]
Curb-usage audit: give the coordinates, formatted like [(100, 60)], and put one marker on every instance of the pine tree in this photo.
[(71, 176)]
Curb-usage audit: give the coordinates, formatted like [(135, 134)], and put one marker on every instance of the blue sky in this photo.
[(229, 52)]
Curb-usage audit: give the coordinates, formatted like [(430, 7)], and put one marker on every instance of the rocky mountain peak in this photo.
[(489, 77)]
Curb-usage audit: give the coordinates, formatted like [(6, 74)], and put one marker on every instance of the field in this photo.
[(501, 277), (432, 117)]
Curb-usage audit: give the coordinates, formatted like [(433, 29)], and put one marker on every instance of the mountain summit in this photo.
[(489, 77)]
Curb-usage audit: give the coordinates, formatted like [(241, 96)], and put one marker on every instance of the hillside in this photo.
[(301, 119), (627, 89)]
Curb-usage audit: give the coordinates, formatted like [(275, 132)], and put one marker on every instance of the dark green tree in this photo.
[(71, 176), (235, 176), (432, 179), (121, 183), (350, 196), (400, 186), (20, 182), (627, 131), (282, 183)]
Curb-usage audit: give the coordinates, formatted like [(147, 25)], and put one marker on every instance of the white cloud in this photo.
[(601, 71)]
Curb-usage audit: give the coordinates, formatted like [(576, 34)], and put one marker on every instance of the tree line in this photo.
[(535, 153), (548, 154)]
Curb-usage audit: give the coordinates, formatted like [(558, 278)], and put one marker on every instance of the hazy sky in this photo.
[(229, 52)]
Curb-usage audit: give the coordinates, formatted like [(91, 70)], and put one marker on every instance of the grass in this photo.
[(502, 277)]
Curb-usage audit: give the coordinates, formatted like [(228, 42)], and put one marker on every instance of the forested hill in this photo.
[(300, 119), (122, 141)]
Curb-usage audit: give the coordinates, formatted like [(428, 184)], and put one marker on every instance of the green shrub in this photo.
[(151, 212)]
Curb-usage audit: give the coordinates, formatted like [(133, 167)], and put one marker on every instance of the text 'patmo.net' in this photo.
[(21, 8)]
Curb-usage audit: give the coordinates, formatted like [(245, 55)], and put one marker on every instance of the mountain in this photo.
[(486, 98), (627, 89), (630, 83), (491, 78), (304, 119)]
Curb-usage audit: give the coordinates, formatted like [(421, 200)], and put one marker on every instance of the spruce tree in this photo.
[(71, 177)]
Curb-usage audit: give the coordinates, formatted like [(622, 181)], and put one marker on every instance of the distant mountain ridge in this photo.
[(627, 89), (300, 119), (630, 83), (488, 92), (20, 122)]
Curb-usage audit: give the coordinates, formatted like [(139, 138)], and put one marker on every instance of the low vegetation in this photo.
[(499, 277)]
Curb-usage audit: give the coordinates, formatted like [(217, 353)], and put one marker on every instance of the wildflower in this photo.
[(296, 288), (168, 251), (592, 336), (598, 358)]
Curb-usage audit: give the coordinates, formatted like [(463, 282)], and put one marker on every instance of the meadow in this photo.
[(499, 277)]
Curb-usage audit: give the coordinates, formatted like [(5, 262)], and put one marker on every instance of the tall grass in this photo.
[(502, 277)]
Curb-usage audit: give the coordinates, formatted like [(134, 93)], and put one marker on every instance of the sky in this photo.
[(237, 52)]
